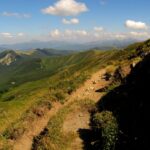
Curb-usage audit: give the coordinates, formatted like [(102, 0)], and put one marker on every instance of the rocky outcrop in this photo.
[(8, 57)]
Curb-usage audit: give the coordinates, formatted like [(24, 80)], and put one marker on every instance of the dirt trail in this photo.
[(86, 91), (79, 119), (76, 121), (90, 86), (25, 142)]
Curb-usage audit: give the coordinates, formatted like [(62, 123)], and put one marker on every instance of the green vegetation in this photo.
[(30, 84), (37, 110), (119, 118), (31, 69), (64, 75), (53, 138), (104, 123)]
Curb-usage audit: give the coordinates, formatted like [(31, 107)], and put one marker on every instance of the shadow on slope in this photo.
[(130, 105), (87, 136)]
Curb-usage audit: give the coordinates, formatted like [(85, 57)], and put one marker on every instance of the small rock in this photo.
[(94, 82), (80, 115), (91, 88)]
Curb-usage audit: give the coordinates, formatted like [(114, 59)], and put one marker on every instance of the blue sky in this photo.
[(23, 20)]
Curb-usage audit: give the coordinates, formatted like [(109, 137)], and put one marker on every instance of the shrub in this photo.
[(60, 96), (14, 133), (45, 104), (106, 124), (9, 98)]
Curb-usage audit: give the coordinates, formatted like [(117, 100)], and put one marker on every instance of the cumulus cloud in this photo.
[(71, 21), (82, 35), (55, 33), (75, 34), (66, 8), (20, 34), (14, 14), (68, 34), (140, 34), (11, 38), (79, 35), (6, 35), (120, 36), (10, 35), (98, 29), (81, 32), (135, 25)]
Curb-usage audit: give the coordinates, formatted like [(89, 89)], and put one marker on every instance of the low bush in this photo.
[(59, 96), (105, 123), (14, 133)]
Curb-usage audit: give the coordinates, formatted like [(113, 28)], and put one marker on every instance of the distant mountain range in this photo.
[(8, 57), (61, 45)]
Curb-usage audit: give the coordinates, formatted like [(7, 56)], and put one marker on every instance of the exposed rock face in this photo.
[(121, 73), (8, 57)]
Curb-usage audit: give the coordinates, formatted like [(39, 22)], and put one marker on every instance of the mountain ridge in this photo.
[(62, 45), (31, 85)]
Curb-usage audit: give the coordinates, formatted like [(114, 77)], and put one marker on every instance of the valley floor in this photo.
[(75, 120)]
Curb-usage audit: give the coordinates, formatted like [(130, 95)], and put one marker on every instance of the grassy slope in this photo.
[(129, 104), (54, 138), (48, 141), (61, 72), (28, 67), (35, 76)]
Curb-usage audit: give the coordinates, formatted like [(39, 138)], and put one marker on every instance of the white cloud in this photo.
[(120, 36), (98, 29), (71, 21), (89, 35), (140, 34), (135, 25), (66, 8), (14, 14), (6, 35), (10, 35), (75, 33), (81, 32), (11, 38), (68, 34), (55, 33), (20, 34)]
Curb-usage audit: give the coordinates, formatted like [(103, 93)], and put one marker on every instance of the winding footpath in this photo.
[(86, 91)]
